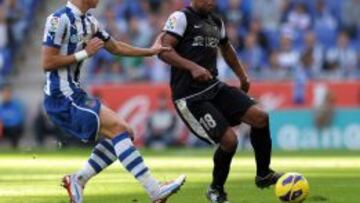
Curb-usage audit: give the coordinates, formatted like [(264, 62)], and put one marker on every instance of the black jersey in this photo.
[(199, 37)]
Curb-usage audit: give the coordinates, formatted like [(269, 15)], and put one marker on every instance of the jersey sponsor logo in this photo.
[(200, 41), (54, 24)]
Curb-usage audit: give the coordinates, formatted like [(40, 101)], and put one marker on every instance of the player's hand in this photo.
[(131, 134), (201, 74), (94, 45), (157, 47), (245, 83)]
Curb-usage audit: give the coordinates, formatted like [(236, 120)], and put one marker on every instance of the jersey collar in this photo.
[(74, 9), (197, 13)]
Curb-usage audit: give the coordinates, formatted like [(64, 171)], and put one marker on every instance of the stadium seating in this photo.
[(326, 33), (23, 13)]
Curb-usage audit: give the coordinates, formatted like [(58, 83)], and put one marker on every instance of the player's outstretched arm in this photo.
[(52, 59), (229, 54), (124, 49), (174, 59)]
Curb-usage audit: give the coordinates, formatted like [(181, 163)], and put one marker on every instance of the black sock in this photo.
[(261, 142), (222, 162)]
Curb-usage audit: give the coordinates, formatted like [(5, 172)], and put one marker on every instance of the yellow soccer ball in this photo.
[(292, 188)]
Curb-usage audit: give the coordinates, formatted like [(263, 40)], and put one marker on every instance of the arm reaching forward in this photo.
[(124, 49), (55, 31)]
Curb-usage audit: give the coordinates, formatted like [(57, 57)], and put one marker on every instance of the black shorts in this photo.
[(210, 113)]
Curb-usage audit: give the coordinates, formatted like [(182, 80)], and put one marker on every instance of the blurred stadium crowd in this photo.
[(276, 39), (15, 20)]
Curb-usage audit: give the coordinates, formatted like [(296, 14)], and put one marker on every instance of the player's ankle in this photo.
[(263, 172), (81, 179), (150, 184), (217, 187)]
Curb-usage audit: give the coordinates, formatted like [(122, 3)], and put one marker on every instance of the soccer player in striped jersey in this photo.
[(72, 35)]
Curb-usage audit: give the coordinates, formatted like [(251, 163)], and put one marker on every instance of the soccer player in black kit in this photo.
[(209, 107)]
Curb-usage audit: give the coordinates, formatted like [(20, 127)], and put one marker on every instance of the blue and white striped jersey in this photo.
[(68, 29)]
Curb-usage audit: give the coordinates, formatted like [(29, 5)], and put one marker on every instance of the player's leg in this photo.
[(223, 157), (207, 123), (238, 107), (102, 156), (118, 145), (81, 119), (222, 162), (116, 129), (260, 139)]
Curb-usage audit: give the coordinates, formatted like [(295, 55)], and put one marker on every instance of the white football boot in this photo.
[(167, 189), (74, 188)]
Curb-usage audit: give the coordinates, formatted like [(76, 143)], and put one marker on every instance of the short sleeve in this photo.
[(55, 29), (176, 24), (103, 35), (100, 32), (223, 37)]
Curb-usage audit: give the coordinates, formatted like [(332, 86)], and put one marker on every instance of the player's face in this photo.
[(204, 6), (92, 3)]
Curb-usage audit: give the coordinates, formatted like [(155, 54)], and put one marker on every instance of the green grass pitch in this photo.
[(34, 177)]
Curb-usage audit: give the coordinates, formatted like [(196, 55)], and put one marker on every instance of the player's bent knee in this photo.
[(233, 145), (230, 146), (120, 127), (229, 141), (262, 120)]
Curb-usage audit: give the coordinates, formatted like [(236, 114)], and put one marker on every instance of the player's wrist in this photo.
[(195, 67), (81, 55), (151, 52), (244, 77)]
